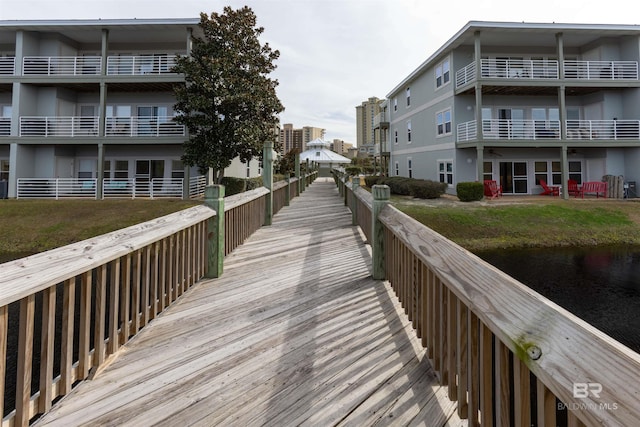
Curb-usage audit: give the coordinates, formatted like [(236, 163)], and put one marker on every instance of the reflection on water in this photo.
[(601, 286)]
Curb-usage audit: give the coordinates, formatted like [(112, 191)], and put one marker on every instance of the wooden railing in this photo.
[(65, 311), (508, 355)]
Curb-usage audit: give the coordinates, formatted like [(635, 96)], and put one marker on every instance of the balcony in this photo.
[(140, 65), (61, 65), (500, 129), (72, 126), (143, 126), (380, 121), (7, 66), (75, 126), (5, 126), (548, 69)]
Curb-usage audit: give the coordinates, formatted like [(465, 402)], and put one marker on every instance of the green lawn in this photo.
[(30, 226), (535, 224)]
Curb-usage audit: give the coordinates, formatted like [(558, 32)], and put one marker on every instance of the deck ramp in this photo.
[(295, 332)]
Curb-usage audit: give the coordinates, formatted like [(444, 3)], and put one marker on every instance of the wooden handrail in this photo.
[(489, 336), (485, 332)]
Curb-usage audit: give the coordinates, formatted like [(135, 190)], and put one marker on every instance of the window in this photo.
[(409, 168), (408, 97), (409, 131), (249, 169), (86, 169), (487, 171), (395, 136), (121, 170), (443, 122), (443, 73), (4, 170), (177, 169), (445, 171), (397, 168), (395, 104)]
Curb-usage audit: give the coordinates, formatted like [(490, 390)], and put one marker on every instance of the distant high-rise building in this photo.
[(340, 146), (291, 138), (365, 114)]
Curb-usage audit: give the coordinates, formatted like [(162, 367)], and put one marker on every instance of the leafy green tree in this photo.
[(287, 163), (229, 103)]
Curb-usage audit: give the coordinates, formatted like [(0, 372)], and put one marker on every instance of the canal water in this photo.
[(599, 285)]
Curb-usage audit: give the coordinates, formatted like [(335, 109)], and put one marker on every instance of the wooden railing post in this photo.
[(355, 183), (214, 198), (267, 180), (287, 197), (298, 183), (381, 195)]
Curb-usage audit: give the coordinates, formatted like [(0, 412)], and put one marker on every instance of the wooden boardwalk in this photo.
[(295, 332)]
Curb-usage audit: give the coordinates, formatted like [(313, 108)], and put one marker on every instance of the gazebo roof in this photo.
[(318, 151)]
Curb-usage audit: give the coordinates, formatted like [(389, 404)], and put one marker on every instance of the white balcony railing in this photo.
[(137, 187), (548, 69), (603, 129), (140, 65), (56, 188), (5, 126), (601, 70), (143, 126), (7, 66), (197, 185), (61, 65), (497, 129), (73, 126), (76, 126)]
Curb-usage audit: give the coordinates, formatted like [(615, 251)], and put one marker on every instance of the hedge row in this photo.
[(420, 188), (233, 185)]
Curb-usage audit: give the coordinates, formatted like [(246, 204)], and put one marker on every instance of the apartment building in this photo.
[(291, 138), (365, 133), (87, 105), (340, 146), (519, 103)]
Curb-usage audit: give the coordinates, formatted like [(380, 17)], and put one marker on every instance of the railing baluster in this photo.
[(25, 350), (546, 404), (66, 345), (46, 348), (4, 327), (85, 323), (100, 315), (461, 359), (502, 384), (474, 369)]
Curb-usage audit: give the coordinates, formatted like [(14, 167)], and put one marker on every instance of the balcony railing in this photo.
[(7, 66), (61, 65), (143, 126), (499, 129), (56, 188), (5, 126), (76, 126), (599, 70), (548, 69), (140, 65), (71, 126), (134, 187)]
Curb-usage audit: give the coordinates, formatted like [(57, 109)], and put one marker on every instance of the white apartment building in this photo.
[(86, 108), (519, 103)]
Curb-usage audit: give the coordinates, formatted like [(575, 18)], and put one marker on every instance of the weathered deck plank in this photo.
[(296, 332)]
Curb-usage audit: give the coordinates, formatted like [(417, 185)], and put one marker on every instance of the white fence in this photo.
[(56, 188), (197, 185), (61, 65), (132, 188), (58, 126), (599, 70), (7, 66), (140, 65), (143, 126)]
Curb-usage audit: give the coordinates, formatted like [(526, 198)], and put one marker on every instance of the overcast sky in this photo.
[(334, 54)]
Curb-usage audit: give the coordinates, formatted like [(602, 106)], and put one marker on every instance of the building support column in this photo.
[(381, 196), (564, 168), (480, 163), (267, 179), (100, 173)]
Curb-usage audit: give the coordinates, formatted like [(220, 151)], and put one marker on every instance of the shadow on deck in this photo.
[(295, 332)]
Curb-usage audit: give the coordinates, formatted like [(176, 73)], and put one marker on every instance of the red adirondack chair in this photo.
[(492, 189), (549, 190), (572, 188)]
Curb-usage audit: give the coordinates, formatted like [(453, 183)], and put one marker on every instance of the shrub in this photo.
[(470, 191), (253, 183), (371, 180), (427, 189), (397, 184), (353, 170), (233, 185)]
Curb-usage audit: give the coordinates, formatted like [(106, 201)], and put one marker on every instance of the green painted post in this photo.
[(381, 196), (298, 174), (214, 198), (306, 175), (355, 183), (267, 180), (287, 197)]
